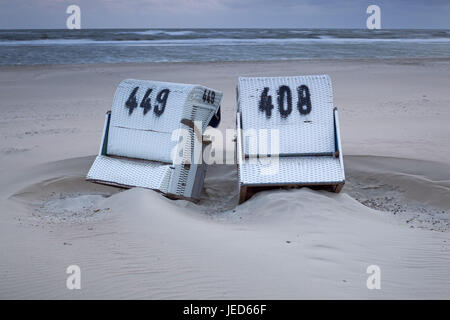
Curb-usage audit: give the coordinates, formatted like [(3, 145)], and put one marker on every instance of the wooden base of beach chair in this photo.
[(246, 192)]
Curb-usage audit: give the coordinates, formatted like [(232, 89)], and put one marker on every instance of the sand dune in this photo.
[(393, 212), (280, 244)]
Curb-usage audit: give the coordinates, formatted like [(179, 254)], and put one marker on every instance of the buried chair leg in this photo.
[(242, 194), (338, 187)]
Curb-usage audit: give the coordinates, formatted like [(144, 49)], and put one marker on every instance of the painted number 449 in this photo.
[(209, 96)]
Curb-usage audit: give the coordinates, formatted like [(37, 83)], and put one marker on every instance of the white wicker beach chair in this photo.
[(297, 116), (142, 131)]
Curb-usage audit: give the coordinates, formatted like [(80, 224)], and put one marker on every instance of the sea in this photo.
[(32, 47)]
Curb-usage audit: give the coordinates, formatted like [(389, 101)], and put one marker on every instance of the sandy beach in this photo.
[(394, 210)]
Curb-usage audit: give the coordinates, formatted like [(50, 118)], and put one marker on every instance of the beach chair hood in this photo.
[(142, 130), (300, 126)]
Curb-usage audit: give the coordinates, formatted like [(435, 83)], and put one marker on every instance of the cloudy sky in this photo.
[(224, 13)]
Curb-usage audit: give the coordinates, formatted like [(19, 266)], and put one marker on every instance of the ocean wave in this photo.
[(173, 45), (159, 32), (212, 41)]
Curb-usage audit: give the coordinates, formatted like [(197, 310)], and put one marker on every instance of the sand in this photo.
[(394, 210)]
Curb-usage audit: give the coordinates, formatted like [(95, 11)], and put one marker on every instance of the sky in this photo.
[(36, 14)]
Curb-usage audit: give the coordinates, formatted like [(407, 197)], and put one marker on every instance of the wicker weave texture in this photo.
[(311, 133), (136, 134), (291, 170), (146, 136), (128, 172)]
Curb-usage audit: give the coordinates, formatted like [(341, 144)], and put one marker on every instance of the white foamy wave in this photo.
[(212, 41), (160, 32), (48, 42)]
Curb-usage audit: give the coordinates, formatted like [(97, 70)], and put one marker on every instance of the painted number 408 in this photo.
[(284, 101)]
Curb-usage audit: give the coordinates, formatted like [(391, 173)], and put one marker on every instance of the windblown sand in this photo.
[(394, 210)]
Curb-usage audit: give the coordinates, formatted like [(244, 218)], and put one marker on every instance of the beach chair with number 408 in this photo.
[(142, 132), (297, 128)]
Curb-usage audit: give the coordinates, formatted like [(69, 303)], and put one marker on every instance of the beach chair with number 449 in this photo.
[(142, 131), (288, 134)]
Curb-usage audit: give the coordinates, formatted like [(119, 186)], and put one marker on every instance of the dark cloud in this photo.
[(224, 13)]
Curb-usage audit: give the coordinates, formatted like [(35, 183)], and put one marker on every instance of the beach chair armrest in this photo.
[(239, 146), (337, 131), (104, 144), (215, 120), (204, 139)]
